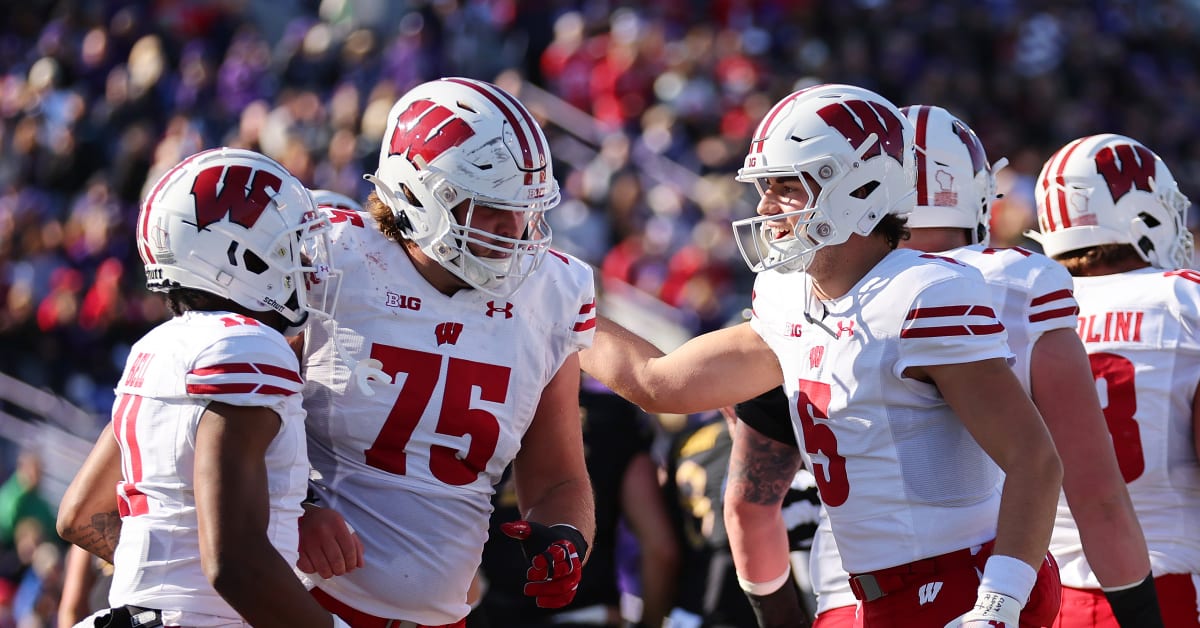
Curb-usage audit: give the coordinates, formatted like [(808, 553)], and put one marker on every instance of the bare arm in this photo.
[(1065, 393), (78, 579), (232, 506), (760, 471), (710, 371), (644, 510), (1006, 424), (87, 514), (549, 472)]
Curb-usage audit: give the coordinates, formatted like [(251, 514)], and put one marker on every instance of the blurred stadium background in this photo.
[(649, 108)]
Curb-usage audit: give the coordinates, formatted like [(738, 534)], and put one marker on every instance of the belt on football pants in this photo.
[(359, 619), (873, 585)]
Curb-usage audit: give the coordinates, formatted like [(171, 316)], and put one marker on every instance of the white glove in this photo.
[(338, 622), (991, 609)]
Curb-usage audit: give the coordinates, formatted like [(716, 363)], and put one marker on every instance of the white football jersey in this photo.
[(412, 465), (1141, 330), (899, 474), (171, 376), (1032, 294)]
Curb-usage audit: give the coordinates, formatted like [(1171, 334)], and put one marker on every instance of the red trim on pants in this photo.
[(934, 591), (359, 619)]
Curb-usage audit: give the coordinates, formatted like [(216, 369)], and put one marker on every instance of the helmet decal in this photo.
[(427, 130), (229, 190), (235, 223), (530, 140), (974, 146), (1112, 189), (857, 119), (1125, 167)]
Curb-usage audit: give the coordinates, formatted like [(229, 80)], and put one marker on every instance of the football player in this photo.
[(1111, 212), (193, 490), (439, 372), (1033, 299), (880, 352)]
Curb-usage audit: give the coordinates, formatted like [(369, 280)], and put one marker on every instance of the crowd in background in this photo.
[(97, 97)]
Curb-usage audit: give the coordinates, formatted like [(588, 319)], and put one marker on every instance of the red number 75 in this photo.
[(456, 418)]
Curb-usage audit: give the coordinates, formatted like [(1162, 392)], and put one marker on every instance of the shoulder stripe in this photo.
[(952, 330), (587, 317), (949, 310), (1049, 314), (246, 367), (1053, 296)]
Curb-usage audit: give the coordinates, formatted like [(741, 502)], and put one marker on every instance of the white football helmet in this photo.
[(335, 200), (1111, 189), (235, 223), (455, 141), (955, 184), (851, 149)]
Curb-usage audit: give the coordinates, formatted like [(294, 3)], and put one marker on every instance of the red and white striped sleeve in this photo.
[(1052, 302), (245, 370), (952, 321)]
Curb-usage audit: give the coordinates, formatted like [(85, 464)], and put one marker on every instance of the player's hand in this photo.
[(555, 554), (992, 610), (328, 545)]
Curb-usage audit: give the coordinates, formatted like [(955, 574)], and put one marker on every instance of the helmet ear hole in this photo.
[(254, 263), (1150, 221), (864, 190)]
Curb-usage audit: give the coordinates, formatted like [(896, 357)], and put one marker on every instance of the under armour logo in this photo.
[(929, 591), (845, 326), (814, 356), (447, 333), (493, 309)]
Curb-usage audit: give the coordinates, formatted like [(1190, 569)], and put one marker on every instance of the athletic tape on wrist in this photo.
[(764, 588), (1008, 576)]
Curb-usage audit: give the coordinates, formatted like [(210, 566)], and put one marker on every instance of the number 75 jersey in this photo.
[(411, 463), (1141, 330)]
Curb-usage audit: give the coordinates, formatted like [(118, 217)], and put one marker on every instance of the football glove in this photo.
[(992, 610), (555, 554)]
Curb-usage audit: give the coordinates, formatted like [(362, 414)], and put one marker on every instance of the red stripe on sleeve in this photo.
[(1053, 296), (1049, 314)]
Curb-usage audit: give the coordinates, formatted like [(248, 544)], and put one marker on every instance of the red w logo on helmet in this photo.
[(974, 146), (427, 130), (229, 190), (857, 119), (1124, 167)]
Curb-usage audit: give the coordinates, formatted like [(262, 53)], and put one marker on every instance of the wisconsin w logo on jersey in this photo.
[(447, 333), (427, 130), (1125, 167), (231, 191)]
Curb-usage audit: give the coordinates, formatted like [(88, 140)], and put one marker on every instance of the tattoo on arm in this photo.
[(100, 537), (763, 469)]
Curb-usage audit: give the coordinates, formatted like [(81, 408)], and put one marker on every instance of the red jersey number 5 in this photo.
[(832, 481)]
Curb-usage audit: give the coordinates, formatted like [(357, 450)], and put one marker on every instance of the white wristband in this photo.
[(1010, 576), (764, 588)]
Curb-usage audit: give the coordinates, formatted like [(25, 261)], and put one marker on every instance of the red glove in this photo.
[(555, 554)]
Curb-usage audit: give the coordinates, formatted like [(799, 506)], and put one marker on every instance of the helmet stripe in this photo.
[(1062, 193), (756, 145), (521, 122), (922, 176), (144, 223)]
